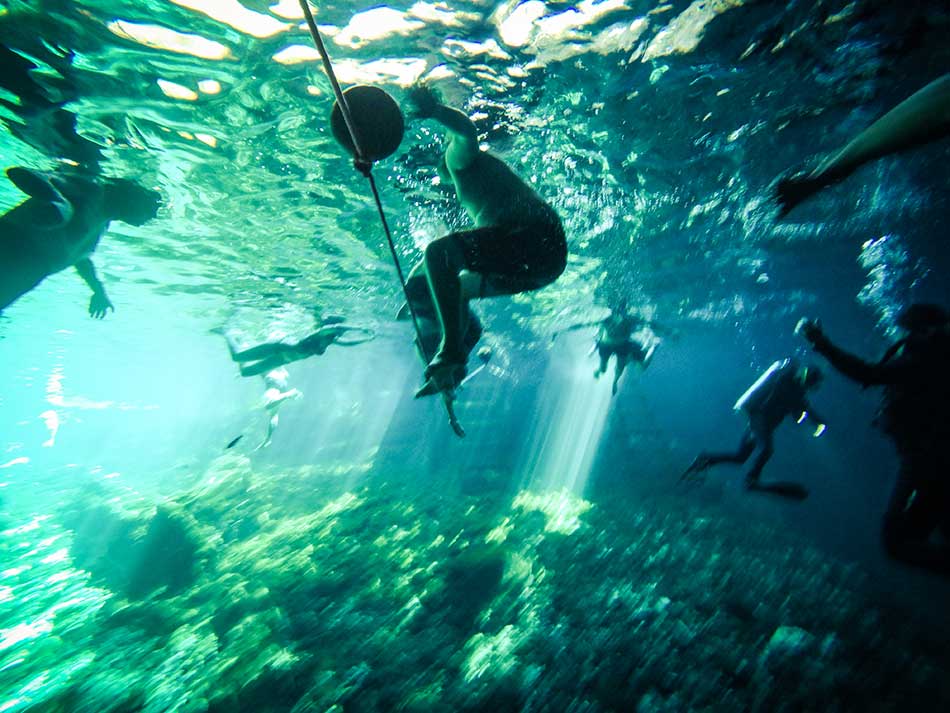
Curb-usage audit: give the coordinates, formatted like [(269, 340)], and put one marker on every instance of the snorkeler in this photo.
[(779, 392), (913, 413), (59, 225), (923, 117), (274, 397), (517, 245), (271, 355), (621, 335)]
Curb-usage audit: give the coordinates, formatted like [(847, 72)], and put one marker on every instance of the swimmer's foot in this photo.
[(444, 373), (793, 189)]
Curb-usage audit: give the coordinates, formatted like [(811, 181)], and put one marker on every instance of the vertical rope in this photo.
[(366, 168)]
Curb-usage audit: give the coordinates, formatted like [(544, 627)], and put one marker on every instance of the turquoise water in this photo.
[(367, 559)]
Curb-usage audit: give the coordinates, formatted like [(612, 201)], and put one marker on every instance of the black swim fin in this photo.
[(792, 491)]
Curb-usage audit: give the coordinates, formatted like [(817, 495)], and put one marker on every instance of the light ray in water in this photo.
[(572, 411)]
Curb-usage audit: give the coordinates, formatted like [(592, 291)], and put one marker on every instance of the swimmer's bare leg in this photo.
[(269, 436), (444, 261), (622, 361)]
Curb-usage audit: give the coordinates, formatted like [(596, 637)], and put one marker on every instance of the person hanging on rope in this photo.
[(517, 244)]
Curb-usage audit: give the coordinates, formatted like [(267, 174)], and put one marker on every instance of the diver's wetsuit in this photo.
[(785, 397), (914, 414)]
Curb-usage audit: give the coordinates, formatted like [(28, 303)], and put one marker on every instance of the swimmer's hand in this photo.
[(810, 330), (99, 305), (792, 189), (424, 100)]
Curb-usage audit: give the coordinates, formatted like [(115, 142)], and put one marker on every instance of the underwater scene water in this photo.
[(187, 524)]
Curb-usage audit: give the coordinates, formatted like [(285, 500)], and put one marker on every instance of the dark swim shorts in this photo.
[(629, 349), (515, 258)]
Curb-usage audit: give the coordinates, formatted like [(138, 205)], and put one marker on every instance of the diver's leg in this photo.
[(706, 460), (622, 360), (765, 447), (786, 489), (913, 513)]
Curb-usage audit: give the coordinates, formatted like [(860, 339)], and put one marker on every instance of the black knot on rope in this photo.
[(364, 167)]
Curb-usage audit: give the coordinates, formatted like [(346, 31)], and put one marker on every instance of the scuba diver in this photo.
[(779, 392), (271, 355), (620, 334), (517, 244), (60, 224), (919, 119), (913, 414)]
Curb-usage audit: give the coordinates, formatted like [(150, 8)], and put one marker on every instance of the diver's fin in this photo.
[(792, 491)]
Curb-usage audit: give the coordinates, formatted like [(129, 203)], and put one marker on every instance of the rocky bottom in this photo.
[(286, 592)]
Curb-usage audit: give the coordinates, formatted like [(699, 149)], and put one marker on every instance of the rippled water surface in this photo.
[(367, 559)]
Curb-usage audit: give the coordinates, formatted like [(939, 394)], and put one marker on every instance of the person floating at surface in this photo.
[(913, 413), (517, 245), (60, 224), (616, 337), (779, 392), (923, 117), (266, 357)]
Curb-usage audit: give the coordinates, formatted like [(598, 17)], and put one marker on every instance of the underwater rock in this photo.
[(132, 555), (787, 645), (168, 555)]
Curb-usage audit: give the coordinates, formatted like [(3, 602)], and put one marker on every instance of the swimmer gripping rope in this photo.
[(363, 161)]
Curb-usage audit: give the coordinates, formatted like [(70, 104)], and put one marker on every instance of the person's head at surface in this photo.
[(131, 202), (921, 318)]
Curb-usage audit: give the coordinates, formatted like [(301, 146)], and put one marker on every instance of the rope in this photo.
[(366, 168)]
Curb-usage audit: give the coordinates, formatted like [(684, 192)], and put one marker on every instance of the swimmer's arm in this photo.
[(857, 369), (575, 327), (99, 304), (923, 117), (463, 137), (661, 330)]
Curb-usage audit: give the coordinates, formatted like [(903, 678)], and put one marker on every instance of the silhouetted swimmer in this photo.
[(914, 374), (59, 225), (620, 335), (517, 245), (778, 393), (923, 117), (271, 355)]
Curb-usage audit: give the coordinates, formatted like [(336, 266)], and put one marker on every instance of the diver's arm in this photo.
[(99, 304), (923, 117), (856, 369)]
